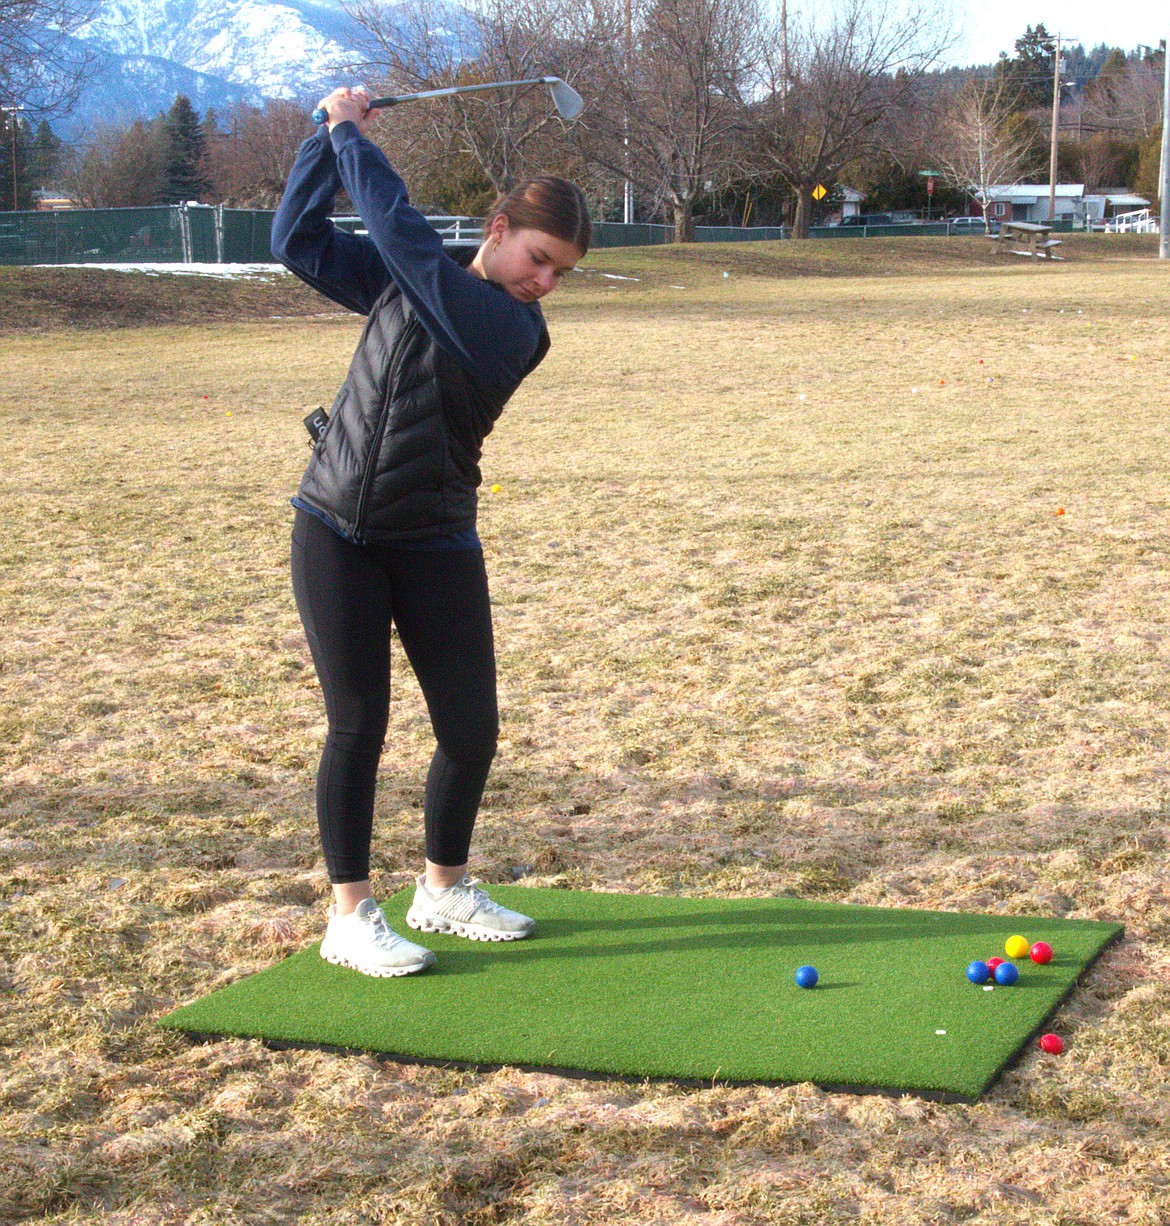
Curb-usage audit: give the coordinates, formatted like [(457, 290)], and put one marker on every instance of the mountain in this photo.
[(220, 53), (122, 88), (281, 48)]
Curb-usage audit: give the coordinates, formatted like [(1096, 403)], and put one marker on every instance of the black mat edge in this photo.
[(1018, 1055), (690, 1083)]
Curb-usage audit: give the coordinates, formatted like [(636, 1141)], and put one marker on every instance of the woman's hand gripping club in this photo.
[(342, 105)]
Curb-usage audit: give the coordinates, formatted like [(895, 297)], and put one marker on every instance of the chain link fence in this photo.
[(215, 234), (647, 234), (76, 236), (167, 234)]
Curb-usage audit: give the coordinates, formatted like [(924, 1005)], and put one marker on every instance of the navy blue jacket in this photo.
[(441, 353)]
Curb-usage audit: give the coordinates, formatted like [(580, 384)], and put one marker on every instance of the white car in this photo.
[(970, 223)]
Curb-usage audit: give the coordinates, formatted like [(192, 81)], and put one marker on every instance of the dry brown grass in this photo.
[(44, 298), (783, 602)]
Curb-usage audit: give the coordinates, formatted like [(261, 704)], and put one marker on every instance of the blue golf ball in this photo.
[(806, 977), (979, 972), (1006, 974)]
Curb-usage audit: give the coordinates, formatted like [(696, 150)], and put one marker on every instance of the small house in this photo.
[(45, 200), (851, 201), (1030, 202), (1101, 206)]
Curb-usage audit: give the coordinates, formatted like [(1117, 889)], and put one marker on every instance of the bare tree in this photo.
[(1103, 161), (1125, 99), (979, 147), (247, 163), (121, 167), (412, 46), (828, 86), (43, 69), (665, 115)]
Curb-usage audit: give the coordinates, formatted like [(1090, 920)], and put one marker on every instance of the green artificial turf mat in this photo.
[(686, 988)]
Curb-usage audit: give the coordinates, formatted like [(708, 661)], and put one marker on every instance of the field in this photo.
[(842, 575)]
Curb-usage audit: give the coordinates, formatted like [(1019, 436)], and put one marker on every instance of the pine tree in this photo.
[(1101, 92), (184, 139), (45, 164), (1029, 74)]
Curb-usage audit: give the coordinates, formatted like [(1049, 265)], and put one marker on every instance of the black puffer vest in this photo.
[(399, 459)]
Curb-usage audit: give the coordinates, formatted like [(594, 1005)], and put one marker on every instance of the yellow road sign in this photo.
[(819, 192)]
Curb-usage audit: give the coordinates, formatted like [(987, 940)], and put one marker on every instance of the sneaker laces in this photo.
[(381, 934), (481, 898), (463, 899)]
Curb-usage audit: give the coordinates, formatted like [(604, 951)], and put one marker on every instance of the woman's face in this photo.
[(528, 263)]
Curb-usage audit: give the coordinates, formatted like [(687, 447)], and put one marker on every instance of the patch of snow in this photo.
[(230, 271)]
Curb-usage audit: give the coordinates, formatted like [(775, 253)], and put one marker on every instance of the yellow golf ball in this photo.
[(1016, 947), (495, 489)]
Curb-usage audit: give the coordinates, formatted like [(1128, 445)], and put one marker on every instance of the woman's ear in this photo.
[(498, 229)]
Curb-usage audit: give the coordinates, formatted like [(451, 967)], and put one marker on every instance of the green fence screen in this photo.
[(79, 236), (200, 243), (174, 234), (247, 236), (618, 234), (168, 234)]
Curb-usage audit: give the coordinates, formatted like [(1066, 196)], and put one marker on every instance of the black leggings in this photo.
[(347, 596)]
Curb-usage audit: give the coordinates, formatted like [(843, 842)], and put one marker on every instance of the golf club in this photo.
[(565, 98)]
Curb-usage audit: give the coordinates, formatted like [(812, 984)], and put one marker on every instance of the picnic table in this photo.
[(1026, 238)]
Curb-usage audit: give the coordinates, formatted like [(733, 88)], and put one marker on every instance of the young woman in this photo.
[(386, 511)]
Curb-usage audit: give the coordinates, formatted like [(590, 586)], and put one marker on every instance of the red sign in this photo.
[(930, 187)]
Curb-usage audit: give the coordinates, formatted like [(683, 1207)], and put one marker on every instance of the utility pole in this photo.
[(1164, 227), (1055, 129), (628, 206)]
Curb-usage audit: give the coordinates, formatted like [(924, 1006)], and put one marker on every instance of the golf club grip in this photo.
[(320, 115)]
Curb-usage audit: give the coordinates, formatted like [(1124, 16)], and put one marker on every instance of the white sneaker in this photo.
[(464, 910), (364, 941)]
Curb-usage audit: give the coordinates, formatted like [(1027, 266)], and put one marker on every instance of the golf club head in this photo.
[(568, 102)]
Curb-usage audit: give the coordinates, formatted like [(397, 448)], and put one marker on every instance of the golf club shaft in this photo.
[(319, 116), (375, 103)]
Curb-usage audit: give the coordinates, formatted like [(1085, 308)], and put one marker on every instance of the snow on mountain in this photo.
[(275, 48), (283, 48), (220, 53), (122, 88)]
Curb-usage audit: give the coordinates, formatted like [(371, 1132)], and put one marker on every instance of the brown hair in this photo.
[(553, 206)]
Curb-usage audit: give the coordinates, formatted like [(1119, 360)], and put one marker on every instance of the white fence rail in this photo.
[(456, 231), (1140, 221)]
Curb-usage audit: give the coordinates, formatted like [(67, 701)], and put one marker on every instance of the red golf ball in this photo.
[(1053, 1044), (1041, 953)]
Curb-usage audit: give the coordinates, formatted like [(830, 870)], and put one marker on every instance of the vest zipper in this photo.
[(379, 432)]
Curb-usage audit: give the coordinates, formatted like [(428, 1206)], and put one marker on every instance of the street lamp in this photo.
[(13, 110)]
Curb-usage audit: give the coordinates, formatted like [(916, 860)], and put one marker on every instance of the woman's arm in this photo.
[(484, 328), (344, 267)]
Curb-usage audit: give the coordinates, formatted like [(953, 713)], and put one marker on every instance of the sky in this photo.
[(990, 28)]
